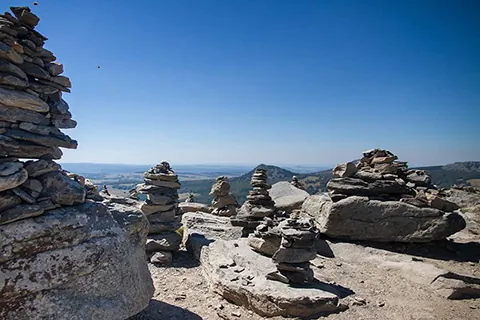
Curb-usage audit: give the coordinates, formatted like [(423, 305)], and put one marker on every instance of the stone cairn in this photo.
[(161, 208), (297, 248), (379, 176), (32, 112), (296, 183), (224, 203), (259, 204)]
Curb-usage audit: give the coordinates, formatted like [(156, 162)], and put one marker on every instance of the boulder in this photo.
[(287, 197), (185, 207), (358, 218), (167, 241), (80, 262), (237, 273), (420, 178), (344, 170), (266, 245), (61, 189)]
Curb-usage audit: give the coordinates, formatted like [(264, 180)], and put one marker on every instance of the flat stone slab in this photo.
[(237, 273), (287, 197)]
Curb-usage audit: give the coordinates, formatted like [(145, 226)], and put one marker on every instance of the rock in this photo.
[(24, 195), (54, 68), (93, 253), (358, 218), (287, 197), (24, 211), (9, 54), (13, 180), (149, 209), (166, 184), (8, 200), (49, 141), (266, 245), (165, 216), (40, 167), (10, 68), (266, 298), (161, 258), (294, 255), (64, 123), (34, 71), (12, 81), (420, 178), (168, 241), (22, 100), (9, 168), (13, 114), (39, 129), (344, 170), (353, 186), (61, 189), (185, 207), (462, 198), (441, 204), (14, 148)]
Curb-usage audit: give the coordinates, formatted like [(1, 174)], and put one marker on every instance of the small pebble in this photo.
[(380, 304), (338, 264), (236, 314)]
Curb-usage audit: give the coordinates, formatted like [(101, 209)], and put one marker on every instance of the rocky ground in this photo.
[(183, 293)]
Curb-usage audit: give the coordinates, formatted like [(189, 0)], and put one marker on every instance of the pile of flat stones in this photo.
[(297, 248), (224, 203), (380, 176), (296, 183), (32, 112), (259, 204), (161, 208)]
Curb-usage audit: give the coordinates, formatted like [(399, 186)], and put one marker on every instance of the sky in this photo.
[(272, 81)]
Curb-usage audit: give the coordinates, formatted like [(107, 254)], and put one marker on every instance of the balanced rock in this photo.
[(287, 197), (224, 203)]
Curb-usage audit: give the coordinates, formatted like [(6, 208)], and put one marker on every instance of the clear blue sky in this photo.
[(298, 82)]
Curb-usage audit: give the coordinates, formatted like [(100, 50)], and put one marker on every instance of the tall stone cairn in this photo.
[(32, 112), (259, 204), (161, 208), (296, 250), (224, 203)]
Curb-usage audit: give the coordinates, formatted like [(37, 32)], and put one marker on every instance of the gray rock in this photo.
[(49, 141), (161, 227), (14, 148), (61, 189), (148, 208), (344, 170), (165, 216), (9, 54), (39, 129), (54, 68), (8, 200), (185, 207), (265, 245), (64, 123), (10, 68), (159, 199), (249, 210), (22, 100), (294, 255), (9, 168), (161, 258), (168, 241), (352, 186), (34, 71), (266, 298), (358, 218), (24, 195), (287, 197), (223, 201), (40, 167), (12, 81), (441, 203), (13, 114), (24, 211), (81, 262), (13, 180), (420, 178), (166, 184), (161, 176)]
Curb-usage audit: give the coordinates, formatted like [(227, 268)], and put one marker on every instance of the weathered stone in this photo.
[(294, 255), (61, 189), (14, 148), (42, 89), (266, 245), (185, 207), (53, 85), (40, 167), (420, 178), (8, 200), (266, 298), (54, 68), (62, 80), (12, 81), (64, 123), (24, 195), (168, 241), (383, 160), (14, 180), (344, 170), (353, 186), (223, 201), (60, 107), (34, 71), (18, 99), (253, 211), (159, 199), (358, 218), (287, 197), (9, 54), (161, 227), (9, 168), (148, 208), (39, 129), (161, 258), (24, 211), (13, 114), (92, 252), (48, 141), (440, 203), (166, 184), (165, 216)]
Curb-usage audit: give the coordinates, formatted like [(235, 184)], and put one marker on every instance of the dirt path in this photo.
[(182, 293)]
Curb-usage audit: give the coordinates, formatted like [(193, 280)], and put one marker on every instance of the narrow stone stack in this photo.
[(224, 203), (296, 250), (259, 204), (161, 207), (32, 112), (296, 183), (265, 239)]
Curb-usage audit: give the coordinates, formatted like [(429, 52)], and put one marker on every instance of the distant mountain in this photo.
[(274, 174), (467, 166)]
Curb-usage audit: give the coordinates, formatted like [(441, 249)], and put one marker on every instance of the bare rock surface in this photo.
[(286, 196), (238, 274), (98, 270), (358, 218)]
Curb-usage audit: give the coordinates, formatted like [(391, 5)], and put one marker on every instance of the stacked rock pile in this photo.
[(224, 203), (296, 250), (380, 176), (161, 208), (259, 204), (296, 183), (32, 112)]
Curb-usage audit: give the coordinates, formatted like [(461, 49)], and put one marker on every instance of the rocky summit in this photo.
[(161, 207), (380, 199), (65, 254)]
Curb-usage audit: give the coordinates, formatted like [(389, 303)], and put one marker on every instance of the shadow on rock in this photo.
[(438, 250), (335, 289), (183, 259), (158, 310)]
